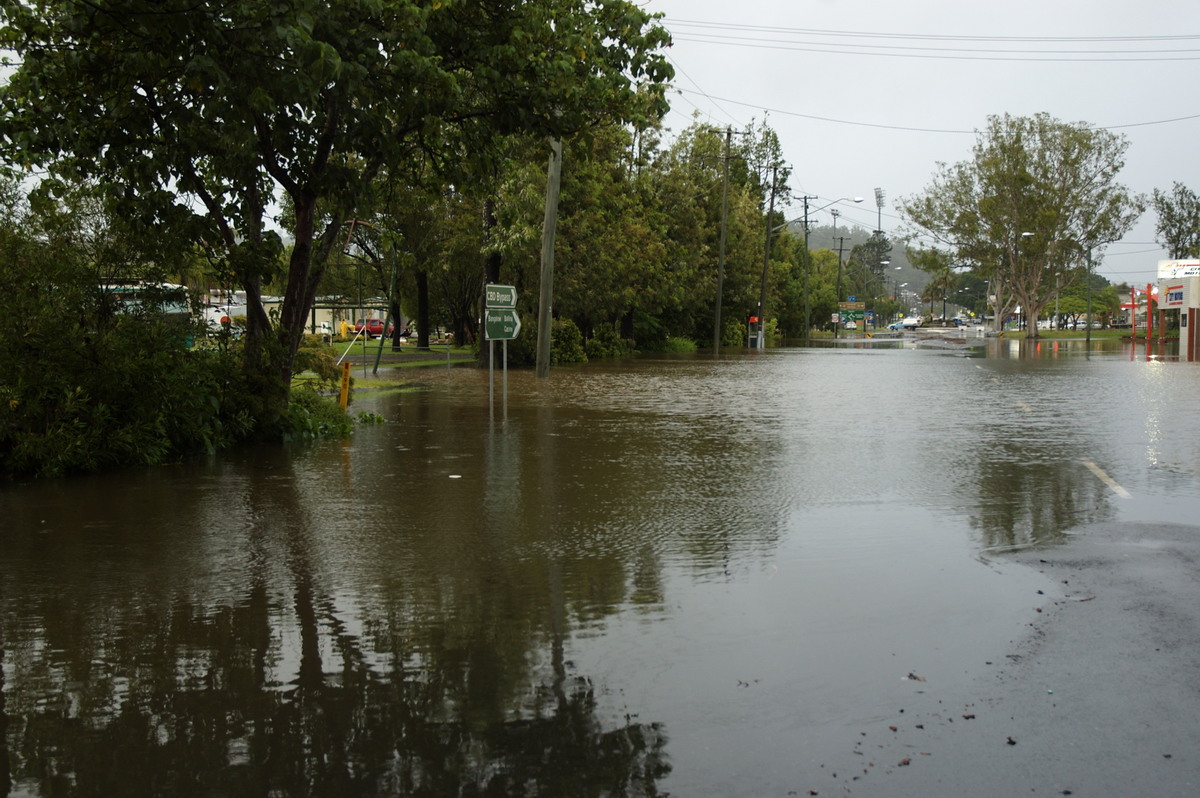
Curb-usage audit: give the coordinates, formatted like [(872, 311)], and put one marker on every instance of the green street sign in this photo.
[(501, 324), (500, 296)]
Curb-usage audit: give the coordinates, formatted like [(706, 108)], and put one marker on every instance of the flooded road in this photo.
[(680, 575)]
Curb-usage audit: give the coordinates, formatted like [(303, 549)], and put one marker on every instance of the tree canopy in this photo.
[(1030, 207), (199, 115), (1178, 225)]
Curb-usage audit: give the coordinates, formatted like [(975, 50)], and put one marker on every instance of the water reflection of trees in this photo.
[(208, 721), (1022, 502), (282, 688)]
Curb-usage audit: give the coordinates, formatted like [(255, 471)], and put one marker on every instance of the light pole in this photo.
[(804, 220), (1088, 335), (837, 327), (807, 309), (883, 264)]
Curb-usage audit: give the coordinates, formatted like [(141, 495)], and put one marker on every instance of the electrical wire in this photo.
[(859, 43)]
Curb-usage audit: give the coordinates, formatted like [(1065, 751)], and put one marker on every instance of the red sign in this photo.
[(754, 319)]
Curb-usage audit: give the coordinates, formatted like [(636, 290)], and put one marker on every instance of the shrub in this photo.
[(606, 342), (87, 386), (566, 343), (734, 334), (314, 357), (311, 415), (680, 346)]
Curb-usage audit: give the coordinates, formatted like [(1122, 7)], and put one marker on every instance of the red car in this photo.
[(373, 327)]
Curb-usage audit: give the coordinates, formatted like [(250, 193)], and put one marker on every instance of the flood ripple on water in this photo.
[(652, 560)]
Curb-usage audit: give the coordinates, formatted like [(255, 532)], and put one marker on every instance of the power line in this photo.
[(926, 129), (831, 119), (937, 36), (1045, 48), (700, 91), (859, 50)]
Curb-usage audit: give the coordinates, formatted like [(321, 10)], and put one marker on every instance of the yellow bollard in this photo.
[(345, 385)]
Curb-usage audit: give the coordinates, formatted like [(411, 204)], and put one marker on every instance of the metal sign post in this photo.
[(501, 322)]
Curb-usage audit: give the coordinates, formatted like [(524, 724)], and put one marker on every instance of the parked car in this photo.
[(220, 319), (372, 327)]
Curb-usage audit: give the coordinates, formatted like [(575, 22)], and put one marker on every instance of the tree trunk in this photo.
[(1030, 310), (422, 309)]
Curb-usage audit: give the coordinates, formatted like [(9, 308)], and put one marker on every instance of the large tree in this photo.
[(1178, 224), (201, 114), (1037, 198), (943, 280)]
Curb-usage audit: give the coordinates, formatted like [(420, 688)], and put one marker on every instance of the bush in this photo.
[(734, 334), (311, 415), (680, 346), (606, 343), (566, 343), (316, 358), (87, 385)]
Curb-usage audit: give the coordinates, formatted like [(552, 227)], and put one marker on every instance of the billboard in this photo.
[(1179, 293), (1175, 269)]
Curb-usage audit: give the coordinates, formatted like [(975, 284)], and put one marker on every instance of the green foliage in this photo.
[(86, 388), (606, 343), (566, 343), (1178, 225), (771, 333), (316, 358), (734, 334), (679, 346), (1030, 206), (197, 115), (311, 415)]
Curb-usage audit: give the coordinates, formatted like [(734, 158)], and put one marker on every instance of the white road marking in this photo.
[(1106, 479)]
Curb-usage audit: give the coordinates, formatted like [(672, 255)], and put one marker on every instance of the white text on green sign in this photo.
[(499, 296), (501, 324)]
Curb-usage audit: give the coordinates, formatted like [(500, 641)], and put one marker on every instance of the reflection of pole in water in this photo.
[(5, 774)]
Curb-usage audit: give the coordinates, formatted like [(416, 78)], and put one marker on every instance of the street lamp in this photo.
[(1088, 334), (804, 219), (807, 309), (883, 264)]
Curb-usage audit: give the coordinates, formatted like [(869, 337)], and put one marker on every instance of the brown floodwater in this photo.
[(686, 575)]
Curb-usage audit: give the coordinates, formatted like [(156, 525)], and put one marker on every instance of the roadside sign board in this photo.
[(500, 296), (852, 305), (501, 324)]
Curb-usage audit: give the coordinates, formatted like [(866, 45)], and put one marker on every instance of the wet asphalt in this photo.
[(1099, 697)]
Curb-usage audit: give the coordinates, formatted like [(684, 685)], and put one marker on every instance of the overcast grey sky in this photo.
[(873, 93)]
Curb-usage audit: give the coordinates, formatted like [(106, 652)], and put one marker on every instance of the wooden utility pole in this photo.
[(721, 255), (546, 292), (762, 297)]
